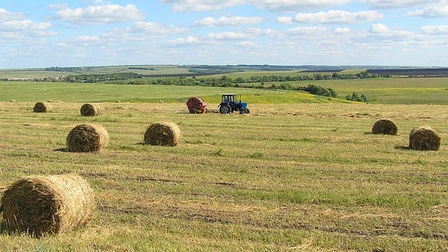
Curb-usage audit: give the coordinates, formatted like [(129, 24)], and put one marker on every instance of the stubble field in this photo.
[(285, 177)]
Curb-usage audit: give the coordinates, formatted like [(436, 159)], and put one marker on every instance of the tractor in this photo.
[(229, 104)]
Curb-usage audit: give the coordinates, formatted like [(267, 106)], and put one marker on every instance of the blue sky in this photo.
[(278, 32)]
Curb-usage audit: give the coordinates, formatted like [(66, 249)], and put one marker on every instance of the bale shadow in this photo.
[(399, 147), (3, 229), (370, 133), (65, 149)]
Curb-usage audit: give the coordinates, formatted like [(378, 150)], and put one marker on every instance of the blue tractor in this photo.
[(229, 104)]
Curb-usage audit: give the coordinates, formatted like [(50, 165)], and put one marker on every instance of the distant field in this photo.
[(381, 91), (53, 72), (63, 92), (396, 90), (30, 74)]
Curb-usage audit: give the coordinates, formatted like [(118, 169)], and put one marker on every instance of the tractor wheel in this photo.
[(225, 109), (244, 111)]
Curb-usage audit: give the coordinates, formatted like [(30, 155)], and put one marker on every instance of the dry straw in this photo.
[(424, 138), (163, 134), (41, 205), (87, 138), (90, 110), (42, 107), (385, 127)]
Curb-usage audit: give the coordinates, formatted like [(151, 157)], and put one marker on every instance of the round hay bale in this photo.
[(424, 138), (42, 107), (385, 127), (196, 105), (163, 134), (90, 110), (87, 138), (41, 205)]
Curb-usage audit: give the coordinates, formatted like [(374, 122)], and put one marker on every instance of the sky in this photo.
[(69, 33)]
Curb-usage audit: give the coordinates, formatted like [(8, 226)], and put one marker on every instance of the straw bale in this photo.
[(163, 134), (424, 138), (42, 107), (385, 127), (90, 109), (87, 138), (41, 205)]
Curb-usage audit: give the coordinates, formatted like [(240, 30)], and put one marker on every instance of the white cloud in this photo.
[(435, 29), (228, 36), (395, 4), (100, 14), (338, 17), (249, 44), (285, 20), (13, 26), (156, 28), (199, 5), (7, 15), (246, 34), (185, 41), (296, 5), (382, 32), (26, 28), (307, 30), (379, 28), (88, 39), (271, 5), (342, 30), (86, 42), (58, 6), (432, 11), (228, 21)]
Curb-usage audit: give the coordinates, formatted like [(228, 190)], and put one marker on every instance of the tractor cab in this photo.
[(230, 104), (228, 98)]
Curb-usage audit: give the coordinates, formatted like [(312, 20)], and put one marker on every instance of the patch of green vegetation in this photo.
[(99, 92)]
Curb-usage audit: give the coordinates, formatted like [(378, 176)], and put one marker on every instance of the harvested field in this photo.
[(285, 177)]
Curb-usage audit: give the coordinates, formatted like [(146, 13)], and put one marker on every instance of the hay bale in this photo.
[(424, 138), (41, 205), (163, 134), (90, 110), (87, 138), (42, 107), (385, 127), (196, 105)]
